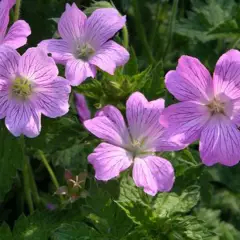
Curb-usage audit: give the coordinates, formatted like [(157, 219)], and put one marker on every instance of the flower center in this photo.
[(216, 106), (137, 148), (21, 88), (84, 52)]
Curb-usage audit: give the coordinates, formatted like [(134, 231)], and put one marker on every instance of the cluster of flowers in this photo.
[(209, 109)]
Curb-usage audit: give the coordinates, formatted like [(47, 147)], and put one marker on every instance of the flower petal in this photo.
[(185, 120), (190, 81), (220, 142), (109, 160), (52, 98), (109, 56), (226, 78), (78, 70), (36, 66), (9, 60), (154, 174), (71, 25), (59, 49), (4, 18), (23, 118), (82, 107), (4, 97), (11, 3), (102, 25), (109, 125), (143, 118), (17, 34)]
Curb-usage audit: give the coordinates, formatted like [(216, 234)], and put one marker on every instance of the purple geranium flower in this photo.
[(85, 43), (135, 144), (17, 35), (209, 108), (29, 87), (82, 107)]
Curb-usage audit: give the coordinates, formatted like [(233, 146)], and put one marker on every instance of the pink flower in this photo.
[(29, 87), (82, 107), (135, 144), (85, 43), (17, 35), (209, 108)]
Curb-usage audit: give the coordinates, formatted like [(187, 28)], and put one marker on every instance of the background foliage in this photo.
[(205, 202)]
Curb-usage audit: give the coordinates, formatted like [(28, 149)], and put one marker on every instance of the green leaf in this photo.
[(11, 159), (5, 232), (169, 204), (212, 16), (105, 215), (40, 225), (76, 231), (96, 5), (131, 68)]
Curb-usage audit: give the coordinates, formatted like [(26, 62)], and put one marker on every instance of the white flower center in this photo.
[(84, 51), (216, 106), (21, 88)]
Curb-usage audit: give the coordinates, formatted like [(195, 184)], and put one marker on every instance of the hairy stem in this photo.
[(33, 185), (17, 10), (50, 171), (125, 37)]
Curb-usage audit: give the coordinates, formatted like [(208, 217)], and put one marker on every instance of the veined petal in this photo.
[(17, 34), (9, 60), (185, 120), (4, 18), (226, 78), (59, 49), (52, 98), (78, 70), (109, 160), (154, 174), (4, 97), (109, 125), (23, 118), (109, 56), (143, 118), (220, 142), (190, 81), (71, 25), (102, 25), (36, 66)]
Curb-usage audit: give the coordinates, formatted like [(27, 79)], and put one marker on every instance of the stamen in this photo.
[(21, 88), (84, 52), (216, 106)]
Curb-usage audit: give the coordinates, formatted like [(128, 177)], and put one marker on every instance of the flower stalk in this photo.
[(50, 171), (17, 10)]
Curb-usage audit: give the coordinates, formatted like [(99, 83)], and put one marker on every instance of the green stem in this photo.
[(50, 171), (26, 178), (35, 194), (171, 27), (187, 162), (17, 10), (125, 37), (190, 156), (142, 31)]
